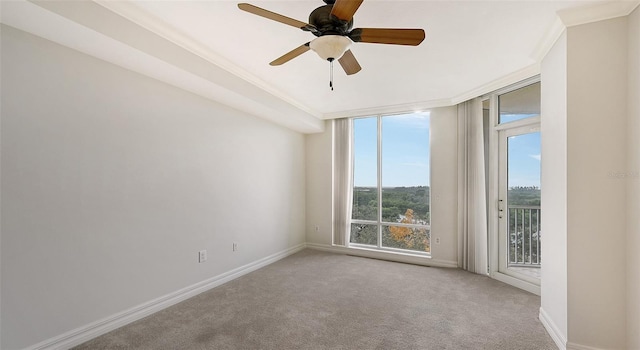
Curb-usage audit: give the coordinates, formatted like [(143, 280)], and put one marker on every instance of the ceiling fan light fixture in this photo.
[(330, 47)]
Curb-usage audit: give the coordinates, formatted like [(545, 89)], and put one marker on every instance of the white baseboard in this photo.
[(95, 329), (552, 329), (558, 337), (516, 282), (383, 255), (574, 346)]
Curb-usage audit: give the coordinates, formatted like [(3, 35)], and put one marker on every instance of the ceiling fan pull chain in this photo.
[(331, 74)]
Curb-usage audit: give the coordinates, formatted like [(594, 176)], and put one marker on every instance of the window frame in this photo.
[(494, 180), (494, 98), (379, 222)]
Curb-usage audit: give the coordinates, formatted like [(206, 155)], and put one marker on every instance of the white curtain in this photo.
[(472, 201), (342, 180)]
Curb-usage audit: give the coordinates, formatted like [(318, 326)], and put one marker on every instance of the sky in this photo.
[(524, 160), (405, 153), (405, 150)]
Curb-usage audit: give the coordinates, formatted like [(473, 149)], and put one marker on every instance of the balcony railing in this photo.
[(524, 236)]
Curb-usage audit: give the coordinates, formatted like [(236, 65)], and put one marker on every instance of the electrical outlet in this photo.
[(235, 246), (202, 256), (437, 240), (317, 228)]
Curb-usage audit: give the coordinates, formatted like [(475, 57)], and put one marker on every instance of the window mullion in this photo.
[(379, 161)]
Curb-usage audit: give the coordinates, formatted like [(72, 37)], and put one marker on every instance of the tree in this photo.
[(411, 237)]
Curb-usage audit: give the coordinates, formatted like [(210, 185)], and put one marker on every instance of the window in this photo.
[(391, 183), (519, 104)]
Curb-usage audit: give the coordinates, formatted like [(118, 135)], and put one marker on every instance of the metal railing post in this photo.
[(520, 236)]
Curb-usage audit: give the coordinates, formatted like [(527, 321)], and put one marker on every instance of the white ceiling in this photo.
[(471, 47)]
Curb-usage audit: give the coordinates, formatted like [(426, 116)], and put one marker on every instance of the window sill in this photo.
[(414, 259), (392, 251), (407, 258)]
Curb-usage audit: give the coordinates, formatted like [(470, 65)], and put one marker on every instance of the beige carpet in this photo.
[(318, 300)]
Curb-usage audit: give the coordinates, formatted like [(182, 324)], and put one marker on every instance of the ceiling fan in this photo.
[(332, 24)]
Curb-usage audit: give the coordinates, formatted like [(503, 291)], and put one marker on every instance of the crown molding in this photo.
[(522, 74), (99, 32), (512, 78), (599, 12), (391, 109), (548, 40), (577, 16), (145, 20)]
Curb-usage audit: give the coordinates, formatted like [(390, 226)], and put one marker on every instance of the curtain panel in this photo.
[(472, 201), (342, 180)]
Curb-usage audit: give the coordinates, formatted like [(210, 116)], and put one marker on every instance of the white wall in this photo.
[(584, 183), (553, 182), (633, 183), (443, 185), (596, 149), (111, 183), (319, 160)]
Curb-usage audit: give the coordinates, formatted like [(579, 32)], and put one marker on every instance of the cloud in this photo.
[(535, 156)]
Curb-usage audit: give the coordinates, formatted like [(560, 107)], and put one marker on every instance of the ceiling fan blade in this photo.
[(290, 55), (393, 36), (272, 15), (349, 63), (344, 9)]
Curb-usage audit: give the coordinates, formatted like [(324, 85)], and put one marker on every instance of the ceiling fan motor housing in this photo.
[(330, 47), (327, 24)]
